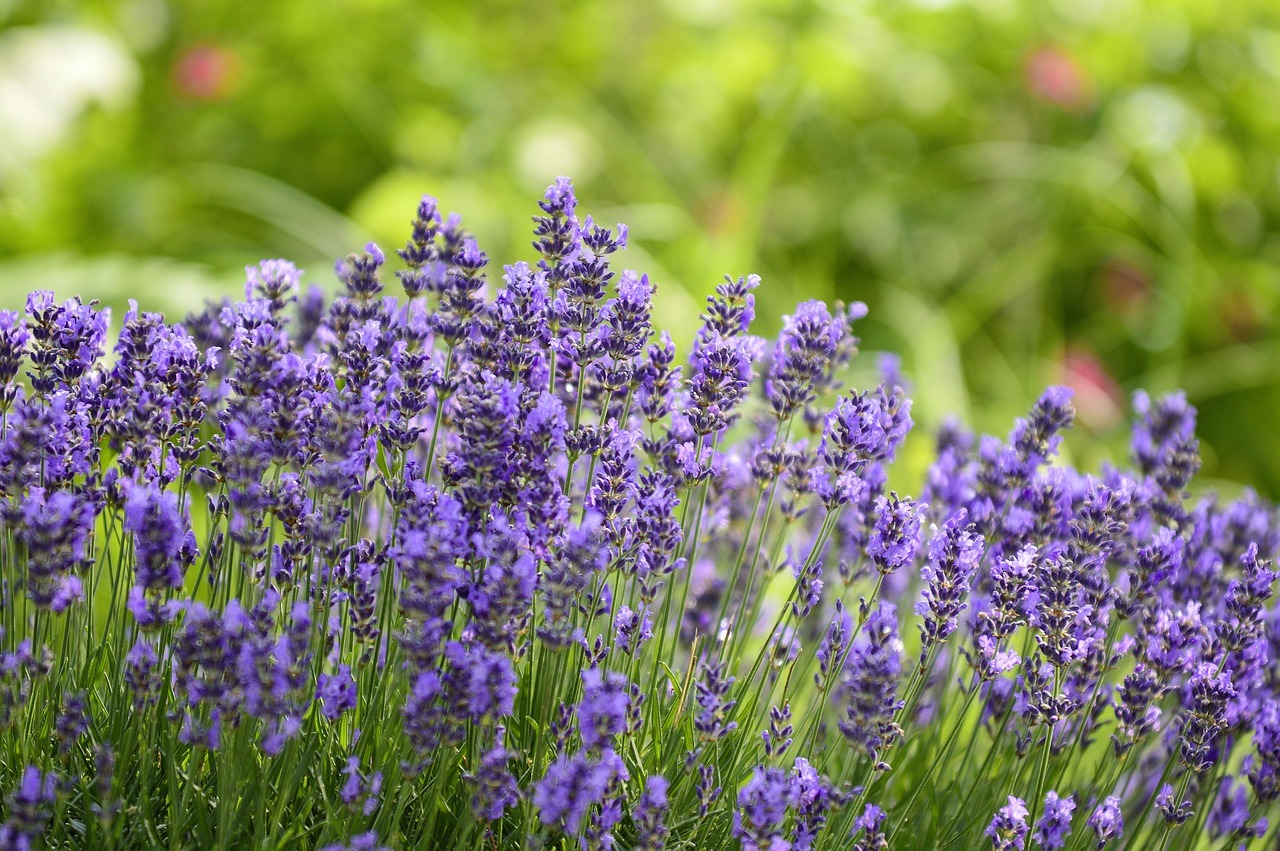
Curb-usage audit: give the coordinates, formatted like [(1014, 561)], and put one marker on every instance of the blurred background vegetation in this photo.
[(1084, 191)]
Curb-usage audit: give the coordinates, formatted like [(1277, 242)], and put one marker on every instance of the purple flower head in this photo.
[(1153, 565), (1210, 692), (1008, 828), (494, 788), (1164, 445), (1245, 600), (1035, 440), (730, 310), (1054, 825), (1057, 611), (762, 809), (66, 340), (714, 708), (606, 702), (865, 427), (870, 684), (778, 737), (162, 544), (486, 678), (72, 721), (30, 805), (868, 830), (360, 792), (812, 799), (632, 629), (1230, 815), (800, 358), (650, 815), (1011, 587), (54, 527), (367, 841), (895, 536), (625, 331), (1137, 716), (1264, 770), (1107, 821), (274, 281), (501, 601), (336, 693), (14, 337), (562, 585), (721, 372), (422, 252), (834, 645), (572, 785), (1174, 812), (559, 199), (954, 555)]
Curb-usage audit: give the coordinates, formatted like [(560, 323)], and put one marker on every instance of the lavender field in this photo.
[(473, 556)]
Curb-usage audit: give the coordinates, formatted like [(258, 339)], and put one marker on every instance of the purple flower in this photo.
[(1054, 825), (360, 792), (1163, 444), (29, 806), (1107, 821), (762, 808), (650, 815), (1035, 439), (800, 358), (1153, 565), (14, 337), (1174, 812), (1264, 766), (812, 800), (868, 830), (494, 788), (66, 341), (486, 679), (336, 693), (1136, 713), (54, 528), (163, 546), (1206, 715), (834, 645), (603, 712), (632, 629), (863, 428), (1057, 612), (360, 842), (1008, 828), (895, 536), (274, 281), (954, 555), (139, 672), (572, 785), (721, 373), (72, 722), (870, 685), (1244, 602), (714, 709), (778, 737)]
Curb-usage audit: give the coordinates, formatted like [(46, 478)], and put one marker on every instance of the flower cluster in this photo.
[(468, 556)]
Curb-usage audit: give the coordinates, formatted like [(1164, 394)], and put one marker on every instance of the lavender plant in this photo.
[(489, 565)]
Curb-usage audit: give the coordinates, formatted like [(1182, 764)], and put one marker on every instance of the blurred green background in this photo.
[(1085, 191)]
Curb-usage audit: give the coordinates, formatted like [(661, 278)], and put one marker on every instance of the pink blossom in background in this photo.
[(206, 72), (1098, 398), (1054, 76)]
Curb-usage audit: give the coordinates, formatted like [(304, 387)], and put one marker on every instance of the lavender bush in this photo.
[(490, 566)]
